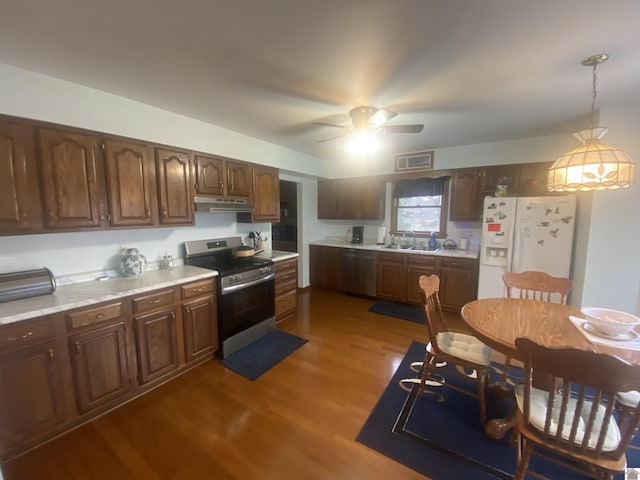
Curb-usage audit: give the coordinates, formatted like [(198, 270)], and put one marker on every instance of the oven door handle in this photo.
[(242, 286)]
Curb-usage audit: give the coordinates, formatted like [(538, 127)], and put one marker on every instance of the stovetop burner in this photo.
[(216, 254)]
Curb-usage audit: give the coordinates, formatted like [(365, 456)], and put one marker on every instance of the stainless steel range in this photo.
[(246, 291)]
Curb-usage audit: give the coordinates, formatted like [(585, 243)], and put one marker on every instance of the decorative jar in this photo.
[(132, 262)]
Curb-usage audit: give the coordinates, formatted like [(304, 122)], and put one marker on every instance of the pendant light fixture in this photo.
[(593, 165)]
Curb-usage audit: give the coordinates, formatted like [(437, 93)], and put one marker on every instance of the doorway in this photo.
[(284, 234)]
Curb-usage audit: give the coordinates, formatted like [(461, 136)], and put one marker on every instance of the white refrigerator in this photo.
[(524, 233)]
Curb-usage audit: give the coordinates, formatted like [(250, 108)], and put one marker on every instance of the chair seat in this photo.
[(629, 399), (464, 346), (538, 414)]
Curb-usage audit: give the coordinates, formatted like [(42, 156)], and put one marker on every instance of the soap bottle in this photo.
[(433, 243)]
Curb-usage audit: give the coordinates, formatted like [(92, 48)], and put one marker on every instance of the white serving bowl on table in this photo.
[(612, 323)]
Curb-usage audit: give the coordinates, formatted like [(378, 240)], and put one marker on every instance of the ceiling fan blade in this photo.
[(381, 117), (329, 124), (332, 138), (415, 128)]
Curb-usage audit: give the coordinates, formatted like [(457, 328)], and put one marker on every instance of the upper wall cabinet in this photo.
[(72, 179), (175, 194), (465, 188), (266, 196), (20, 207), (222, 177), (351, 199), (130, 183)]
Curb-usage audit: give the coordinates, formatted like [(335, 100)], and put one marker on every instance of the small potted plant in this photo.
[(502, 187)]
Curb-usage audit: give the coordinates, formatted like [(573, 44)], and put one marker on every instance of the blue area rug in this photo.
[(399, 310), (439, 434), (261, 355)]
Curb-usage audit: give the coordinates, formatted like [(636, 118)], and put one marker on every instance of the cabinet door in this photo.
[(369, 198), (325, 267), (157, 345), (20, 208), (414, 272), (346, 198), (533, 179), (130, 183), (466, 203), (175, 194), (210, 175), (30, 394), (100, 366), (391, 278), (266, 195), (457, 284), (200, 328), (72, 179), (327, 199), (239, 179), (497, 175)]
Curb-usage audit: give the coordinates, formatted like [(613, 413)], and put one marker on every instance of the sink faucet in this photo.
[(413, 239)]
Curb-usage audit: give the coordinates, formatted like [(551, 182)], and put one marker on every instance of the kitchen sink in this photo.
[(408, 247)]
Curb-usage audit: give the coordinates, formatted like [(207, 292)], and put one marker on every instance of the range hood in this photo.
[(208, 204)]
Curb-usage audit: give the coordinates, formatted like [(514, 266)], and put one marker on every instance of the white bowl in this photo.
[(609, 322)]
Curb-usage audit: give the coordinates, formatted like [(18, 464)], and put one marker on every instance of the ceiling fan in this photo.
[(371, 120)]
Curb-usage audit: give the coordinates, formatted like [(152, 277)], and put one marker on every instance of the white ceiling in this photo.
[(471, 71)]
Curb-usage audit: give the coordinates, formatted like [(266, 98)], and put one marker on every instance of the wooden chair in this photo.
[(576, 418), (538, 286), (534, 285), (453, 347)]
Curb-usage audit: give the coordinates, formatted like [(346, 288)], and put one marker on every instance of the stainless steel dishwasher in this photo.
[(359, 271)]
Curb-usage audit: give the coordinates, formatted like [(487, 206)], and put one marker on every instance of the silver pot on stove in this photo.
[(243, 252)]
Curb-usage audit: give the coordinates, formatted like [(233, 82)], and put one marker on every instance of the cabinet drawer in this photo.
[(90, 316), (422, 260), (286, 303), (391, 257), (196, 289), (154, 301), (458, 263), (286, 265), (28, 332), (286, 276), (284, 287)]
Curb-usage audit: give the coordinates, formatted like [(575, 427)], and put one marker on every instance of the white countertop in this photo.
[(442, 252), (276, 255), (73, 295)]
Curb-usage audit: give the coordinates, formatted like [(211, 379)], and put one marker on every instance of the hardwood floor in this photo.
[(299, 420)]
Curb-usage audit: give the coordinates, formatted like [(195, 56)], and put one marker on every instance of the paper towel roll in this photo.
[(382, 231)]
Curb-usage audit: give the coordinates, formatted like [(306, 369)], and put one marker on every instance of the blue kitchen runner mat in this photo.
[(263, 354), (399, 310)]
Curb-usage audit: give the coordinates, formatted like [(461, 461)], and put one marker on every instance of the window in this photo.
[(420, 206)]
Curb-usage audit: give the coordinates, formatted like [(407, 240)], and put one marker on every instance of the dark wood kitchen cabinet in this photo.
[(351, 199), (99, 354), (391, 276), (200, 320), (175, 187), (465, 195), (286, 287), (222, 177), (155, 323), (325, 266), (33, 375), (266, 196), (131, 176), (458, 282), (418, 265), (20, 208), (72, 176)]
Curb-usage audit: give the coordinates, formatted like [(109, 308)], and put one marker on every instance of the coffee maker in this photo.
[(357, 234)]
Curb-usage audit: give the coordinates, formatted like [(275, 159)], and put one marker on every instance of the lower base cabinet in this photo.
[(398, 274), (325, 267), (286, 287), (59, 371)]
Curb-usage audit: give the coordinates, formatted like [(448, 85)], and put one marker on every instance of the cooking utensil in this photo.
[(243, 251), (26, 284)]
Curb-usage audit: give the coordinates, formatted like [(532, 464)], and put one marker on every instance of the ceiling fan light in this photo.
[(363, 143), (591, 166)]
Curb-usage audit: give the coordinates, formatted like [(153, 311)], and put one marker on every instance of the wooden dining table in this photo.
[(499, 321)]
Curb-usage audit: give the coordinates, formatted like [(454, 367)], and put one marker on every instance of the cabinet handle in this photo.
[(221, 185), (51, 354), (15, 339), (155, 302), (23, 214), (148, 212), (99, 316), (164, 212), (187, 309), (173, 316), (199, 289), (77, 345), (109, 216)]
